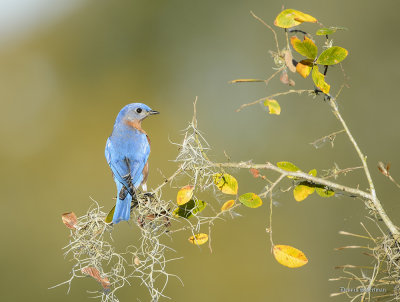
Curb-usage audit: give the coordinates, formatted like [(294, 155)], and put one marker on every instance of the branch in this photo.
[(301, 175), (273, 31), (274, 95), (377, 204)]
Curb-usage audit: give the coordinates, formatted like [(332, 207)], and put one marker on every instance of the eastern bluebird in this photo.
[(127, 152)]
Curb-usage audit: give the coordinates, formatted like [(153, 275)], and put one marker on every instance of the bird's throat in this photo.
[(136, 124)]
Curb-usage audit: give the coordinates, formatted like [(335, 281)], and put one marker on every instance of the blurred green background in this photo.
[(68, 67)]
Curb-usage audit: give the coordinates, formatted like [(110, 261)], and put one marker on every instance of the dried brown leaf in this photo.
[(255, 172), (70, 220), (289, 60), (94, 272)]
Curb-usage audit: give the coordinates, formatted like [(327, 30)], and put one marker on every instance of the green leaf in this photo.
[(329, 30), (189, 209), (313, 172), (250, 200), (324, 192), (273, 106), (291, 17), (226, 183), (332, 56), (110, 215), (306, 47), (319, 80), (287, 166)]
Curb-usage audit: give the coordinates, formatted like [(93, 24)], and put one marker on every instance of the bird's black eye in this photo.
[(139, 110)]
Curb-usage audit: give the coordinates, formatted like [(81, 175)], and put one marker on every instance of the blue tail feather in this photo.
[(123, 206), (122, 209)]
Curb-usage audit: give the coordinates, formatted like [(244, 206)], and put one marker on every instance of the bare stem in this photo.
[(274, 95), (267, 25), (378, 206)]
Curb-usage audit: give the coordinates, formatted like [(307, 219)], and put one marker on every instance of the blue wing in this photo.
[(127, 157)]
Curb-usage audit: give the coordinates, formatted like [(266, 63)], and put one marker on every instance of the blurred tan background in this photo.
[(68, 67)]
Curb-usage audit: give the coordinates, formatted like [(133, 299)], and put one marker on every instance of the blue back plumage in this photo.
[(127, 152)]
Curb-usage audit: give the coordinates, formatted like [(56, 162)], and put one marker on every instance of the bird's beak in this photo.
[(151, 112)]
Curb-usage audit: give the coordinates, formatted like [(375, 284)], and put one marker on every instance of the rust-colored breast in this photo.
[(136, 124)]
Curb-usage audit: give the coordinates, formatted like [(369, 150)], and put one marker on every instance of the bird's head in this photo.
[(134, 113)]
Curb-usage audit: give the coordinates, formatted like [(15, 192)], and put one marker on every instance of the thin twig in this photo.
[(273, 31), (378, 206), (331, 137), (274, 95)]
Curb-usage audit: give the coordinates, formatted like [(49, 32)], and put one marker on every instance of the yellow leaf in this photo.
[(302, 191), (319, 80), (305, 188), (198, 239), (273, 106), (246, 81), (302, 17), (110, 215), (250, 200), (306, 47), (289, 256), (184, 195), (304, 67), (226, 183), (290, 17), (227, 205)]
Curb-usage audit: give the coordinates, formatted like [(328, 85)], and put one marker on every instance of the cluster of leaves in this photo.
[(305, 188), (189, 206), (312, 63), (307, 48)]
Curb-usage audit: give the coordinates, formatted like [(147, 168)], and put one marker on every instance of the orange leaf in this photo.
[(304, 67), (289, 256), (70, 220), (94, 272), (184, 195), (227, 205)]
